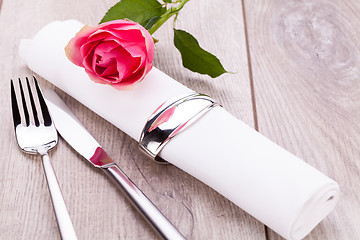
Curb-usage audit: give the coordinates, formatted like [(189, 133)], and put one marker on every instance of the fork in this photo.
[(37, 136)]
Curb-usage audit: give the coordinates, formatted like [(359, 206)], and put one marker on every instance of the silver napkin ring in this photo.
[(171, 118)]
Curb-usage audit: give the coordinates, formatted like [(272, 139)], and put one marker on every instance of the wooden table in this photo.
[(297, 81)]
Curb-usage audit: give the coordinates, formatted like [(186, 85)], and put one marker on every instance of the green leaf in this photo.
[(140, 11), (196, 58), (167, 1)]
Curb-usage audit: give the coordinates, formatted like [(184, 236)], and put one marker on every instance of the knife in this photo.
[(81, 140)]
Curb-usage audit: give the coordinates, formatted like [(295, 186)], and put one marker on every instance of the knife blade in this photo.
[(73, 132)]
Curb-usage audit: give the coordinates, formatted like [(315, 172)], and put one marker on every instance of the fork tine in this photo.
[(36, 118), (26, 113), (14, 105), (44, 109)]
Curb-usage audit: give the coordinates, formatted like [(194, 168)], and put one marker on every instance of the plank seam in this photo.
[(248, 55), (252, 87)]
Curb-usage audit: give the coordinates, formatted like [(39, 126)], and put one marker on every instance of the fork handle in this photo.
[(66, 228)]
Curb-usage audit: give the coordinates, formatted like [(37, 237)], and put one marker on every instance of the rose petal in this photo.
[(95, 77), (124, 61), (101, 53), (131, 32), (104, 70), (117, 23), (98, 35), (101, 34), (87, 62), (111, 72), (91, 42), (135, 49), (134, 42), (99, 70), (88, 47), (130, 35), (133, 36), (106, 46), (137, 77), (150, 46), (72, 49)]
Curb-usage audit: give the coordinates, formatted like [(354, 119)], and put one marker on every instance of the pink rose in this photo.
[(118, 52)]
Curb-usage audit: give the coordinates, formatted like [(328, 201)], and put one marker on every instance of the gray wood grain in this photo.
[(306, 72), (97, 208)]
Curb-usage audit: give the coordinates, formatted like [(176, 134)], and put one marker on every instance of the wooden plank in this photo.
[(97, 208), (305, 61)]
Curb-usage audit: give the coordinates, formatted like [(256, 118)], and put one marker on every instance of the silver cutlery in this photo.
[(38, 135), (80, 139)]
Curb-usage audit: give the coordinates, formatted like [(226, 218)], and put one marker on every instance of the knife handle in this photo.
[(147, 209)]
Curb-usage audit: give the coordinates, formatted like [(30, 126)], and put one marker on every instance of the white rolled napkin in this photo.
[(268, 182)]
